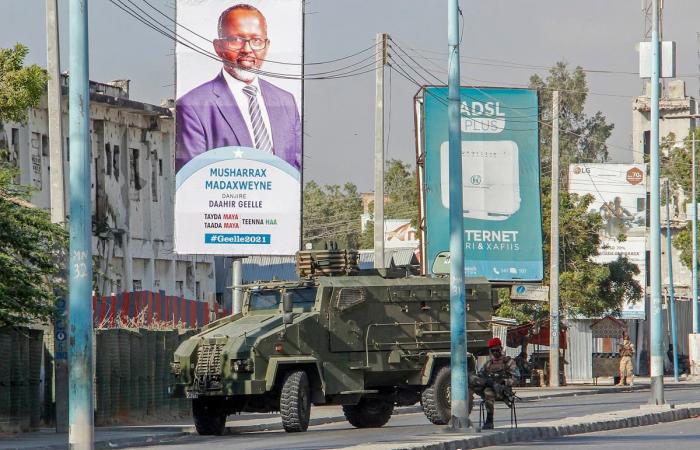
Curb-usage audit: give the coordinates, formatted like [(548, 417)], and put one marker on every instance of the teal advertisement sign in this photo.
[(500, 181)]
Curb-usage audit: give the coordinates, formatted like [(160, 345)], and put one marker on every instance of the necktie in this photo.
[(262, 137)]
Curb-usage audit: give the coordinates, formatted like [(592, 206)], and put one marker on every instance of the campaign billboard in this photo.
[(238, 143), (502, 221), (619, 196)]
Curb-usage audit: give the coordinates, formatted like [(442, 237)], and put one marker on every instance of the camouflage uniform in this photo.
[(506, 367), (626, 367)]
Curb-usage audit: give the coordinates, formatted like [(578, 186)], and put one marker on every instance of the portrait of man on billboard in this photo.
[(237, 107)]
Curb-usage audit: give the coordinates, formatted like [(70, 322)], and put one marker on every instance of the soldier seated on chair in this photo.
[(494, 380)]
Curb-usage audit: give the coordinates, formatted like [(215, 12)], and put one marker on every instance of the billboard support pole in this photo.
[(655, 325), (458, 335), (554, 251), (379, 152), (80, 379), (237, 279), (671, 293)]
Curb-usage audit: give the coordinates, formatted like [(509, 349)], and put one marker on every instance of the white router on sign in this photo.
[(490, 179)]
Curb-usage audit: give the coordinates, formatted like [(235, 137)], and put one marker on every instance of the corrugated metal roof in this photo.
[(266, 268), (397, 256)]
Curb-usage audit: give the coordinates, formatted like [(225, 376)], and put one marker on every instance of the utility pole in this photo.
[(696, 325), (554, 251), (58, 207), (671, 293), (458, 336), (379, 152), (655, 322), (80, 393), (58, 210)]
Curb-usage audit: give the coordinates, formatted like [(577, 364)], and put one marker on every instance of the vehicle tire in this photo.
[(435, 398), (209, 417), (369, 412), (295, 401)]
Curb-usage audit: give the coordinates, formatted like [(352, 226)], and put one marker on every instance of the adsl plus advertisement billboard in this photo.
[(500, 181)]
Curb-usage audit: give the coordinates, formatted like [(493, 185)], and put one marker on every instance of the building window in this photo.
[(197, 290), (118, 286), (13, 157), (160, 167), (67, 149), (116, 162), (154, 179), (179, 287), (44, 145), (108, 159), (35, 154), (135, 180), (138, 285), (647, 142)]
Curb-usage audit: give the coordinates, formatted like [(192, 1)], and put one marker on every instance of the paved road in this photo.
[(681, 435), (401, 428)]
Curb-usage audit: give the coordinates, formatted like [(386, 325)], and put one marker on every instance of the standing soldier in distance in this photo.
[(626, 350), (494, 376)]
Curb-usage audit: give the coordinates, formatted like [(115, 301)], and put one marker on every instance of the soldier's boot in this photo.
[(631, 380), (488, 424), (622, 381)]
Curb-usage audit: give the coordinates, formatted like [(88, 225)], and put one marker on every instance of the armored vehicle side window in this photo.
[(349, 297), (264, 300), (304, 298), (270, 299)]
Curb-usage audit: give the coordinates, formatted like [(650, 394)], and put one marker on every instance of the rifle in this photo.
[(497, 382)]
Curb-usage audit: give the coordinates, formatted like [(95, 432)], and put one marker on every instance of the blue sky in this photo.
[(339, 123)]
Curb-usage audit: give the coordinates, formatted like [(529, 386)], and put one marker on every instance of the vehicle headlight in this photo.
[(242, 365)]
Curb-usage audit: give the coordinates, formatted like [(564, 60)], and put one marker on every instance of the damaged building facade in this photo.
[(133, 182)]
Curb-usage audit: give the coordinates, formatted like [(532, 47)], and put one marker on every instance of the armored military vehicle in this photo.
[(366, 340)]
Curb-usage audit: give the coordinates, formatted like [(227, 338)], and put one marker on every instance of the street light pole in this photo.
[(458, 335), (655, 322)]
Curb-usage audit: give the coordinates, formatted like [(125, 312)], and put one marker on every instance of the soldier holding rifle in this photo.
[(494, 381)]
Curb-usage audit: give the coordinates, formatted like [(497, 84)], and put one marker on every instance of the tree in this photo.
[(401, 190), (678, 170), (586, 288), (332, 213), (32, 249), (582, 138)]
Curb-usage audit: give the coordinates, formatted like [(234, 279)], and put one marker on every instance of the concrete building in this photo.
[(675, 108), (133, 180)]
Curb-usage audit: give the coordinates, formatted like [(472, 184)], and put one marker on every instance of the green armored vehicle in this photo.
[(368, 341)]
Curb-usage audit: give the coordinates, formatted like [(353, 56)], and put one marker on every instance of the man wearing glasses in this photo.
[(237, 108)]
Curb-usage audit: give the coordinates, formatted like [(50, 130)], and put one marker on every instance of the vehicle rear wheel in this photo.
[(435, 398), (369, 412), (209, 417), (295, 401)]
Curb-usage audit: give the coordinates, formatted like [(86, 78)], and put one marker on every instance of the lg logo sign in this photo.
[(475, 180)]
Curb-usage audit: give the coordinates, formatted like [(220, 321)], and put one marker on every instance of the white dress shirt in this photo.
[(236, 86)]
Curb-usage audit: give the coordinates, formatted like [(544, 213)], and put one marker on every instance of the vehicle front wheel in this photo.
[(435, 398), (209, 417), (295, 401), (369, 413)]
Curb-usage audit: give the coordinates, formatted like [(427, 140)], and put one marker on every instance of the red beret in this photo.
[(495, 342)]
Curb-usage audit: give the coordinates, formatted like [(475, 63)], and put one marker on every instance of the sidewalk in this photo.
[(139, 435)]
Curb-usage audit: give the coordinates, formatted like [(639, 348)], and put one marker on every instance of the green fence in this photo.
[(132, 373)]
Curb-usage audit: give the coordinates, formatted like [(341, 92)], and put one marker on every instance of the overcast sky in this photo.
[(339, 123)]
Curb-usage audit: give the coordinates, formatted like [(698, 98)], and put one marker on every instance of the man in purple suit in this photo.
[(237, 107)]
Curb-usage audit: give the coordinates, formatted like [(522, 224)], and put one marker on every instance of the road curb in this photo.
[(564, 427)]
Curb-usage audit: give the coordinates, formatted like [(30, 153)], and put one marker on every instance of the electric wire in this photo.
[(354, 68)]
